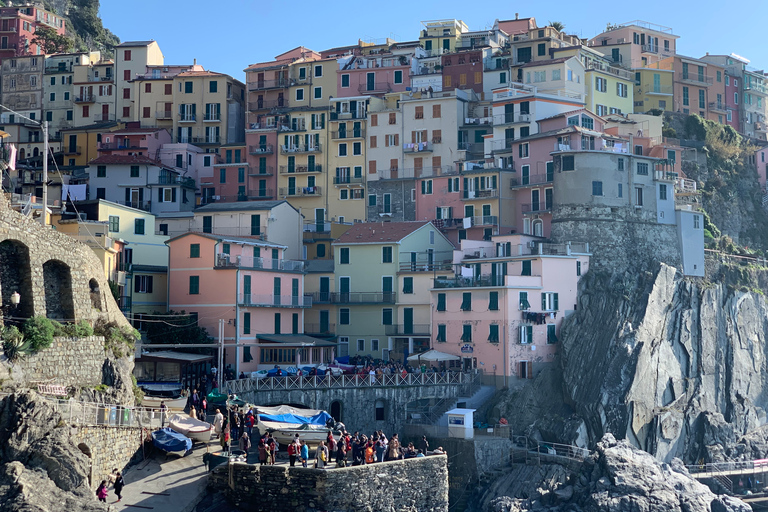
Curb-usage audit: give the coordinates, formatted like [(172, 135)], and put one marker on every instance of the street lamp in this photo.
[(44, 126), (15, 299)]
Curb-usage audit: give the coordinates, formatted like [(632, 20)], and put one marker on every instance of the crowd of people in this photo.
[(359, 449)]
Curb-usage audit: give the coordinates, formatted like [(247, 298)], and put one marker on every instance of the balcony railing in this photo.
[(697, 79), (336, 116), (321, 297), (480, 194), (485, 220), (85, 98), (275, 301), (755, 87), (349, 134), (407, 330), (426, 266), (267, 170), (511, 118), (469, 282), (714, 105), (363, 297), (300, 169), (261, 149), (618, 72), (320, 329), (163, 114), (666, 90), (212, 117), (417, 147), (268, 84), (245, 261), (348, 180), (187, 118), (267, 104), (533, 179), (301, 192), (120, 145), (377, 87), (72, 150), (300, 148), (539, 207), (261, 193), (174, 180)]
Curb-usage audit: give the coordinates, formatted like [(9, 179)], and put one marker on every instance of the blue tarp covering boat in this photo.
[(169, 440), (317, 419)]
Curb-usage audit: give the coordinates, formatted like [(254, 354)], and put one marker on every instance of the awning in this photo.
[(433, 355)]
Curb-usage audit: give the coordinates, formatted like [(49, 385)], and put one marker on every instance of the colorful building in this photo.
[(131, 60), (17, 29)]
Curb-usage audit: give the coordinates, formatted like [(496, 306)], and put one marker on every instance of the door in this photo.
[(275, 259), (325, 324), (246, 289), (509, 113), (344, 286), (105, 112), (295, 292), (276, 289), (262, 188), (319, 220), (548, 199), (408, 321), (342, 130), (526, 171), (310, 163), (370, 81), (291, 186), (413, 261), (386, 289), (447, 45), (656, 82), (356, 130), (430, 258), (525, 370), (534, 200), (325, 289), (263, 144), (486, 214)]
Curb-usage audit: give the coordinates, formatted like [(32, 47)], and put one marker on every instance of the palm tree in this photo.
[(557, 25)]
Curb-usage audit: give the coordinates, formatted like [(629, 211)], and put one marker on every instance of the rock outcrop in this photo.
[(677, 366), (618, 477)]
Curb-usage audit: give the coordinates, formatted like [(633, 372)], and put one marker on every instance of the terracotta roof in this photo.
[(125, 160), (200, 73), (563, 114), (547, 62), (137, 130), (378, 232), (136, 43), (272, 64)]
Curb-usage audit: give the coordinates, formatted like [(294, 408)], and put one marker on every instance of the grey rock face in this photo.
[(618, 477)]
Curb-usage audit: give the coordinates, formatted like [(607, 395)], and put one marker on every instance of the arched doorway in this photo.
[(22, 154), (336, 410), (87, 452), (58, 291), (93, 284), (16, 276), (35, 152)]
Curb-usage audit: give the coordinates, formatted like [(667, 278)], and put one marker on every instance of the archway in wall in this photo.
[(57, 279), (335, 411), (87, 452), (35, 152), (16, 276), (22, 154), (93, 284)]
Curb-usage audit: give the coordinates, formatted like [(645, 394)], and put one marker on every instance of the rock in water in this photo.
[(618, 477)]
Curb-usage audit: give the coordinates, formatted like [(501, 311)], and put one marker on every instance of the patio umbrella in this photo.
[(434, 356)]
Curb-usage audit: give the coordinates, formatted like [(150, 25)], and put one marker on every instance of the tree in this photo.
[(175, 327), (50, 41), (557, 25)]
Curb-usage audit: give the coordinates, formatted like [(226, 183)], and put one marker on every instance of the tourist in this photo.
[(218, 422), (195, 398), (163, 412), (235, 425), (409, 452), (204, 404), (420, 453), (245, 443), (341, 455), (192, 412), (424, 444), (439, 451), (292, 452), (321, 455), (263, 452), (224, 438), (242, 375), (380, 449), (250, 421), (118, 485), (273, 449), (393, 449), (102, 492), (201, 414), (332, 445), (369, 453), (304, 453)]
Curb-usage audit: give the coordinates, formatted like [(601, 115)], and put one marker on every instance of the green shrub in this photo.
[(15, 345), (120, 340), (39, 331), (81, 329)]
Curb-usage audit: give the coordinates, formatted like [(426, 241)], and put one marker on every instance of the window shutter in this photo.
[(509, 253), (504, 267), (529, 330), (322, 120), (136, 284), (450, 212), (141, 194), (520, 150), (438, 213), (413, 137), (493, 182), (159, 195), (317, 140), (423, 187), (543, 301), (149, 284), (173, 195), (127, 196), (397, 139), (556, 303), (313, 122)]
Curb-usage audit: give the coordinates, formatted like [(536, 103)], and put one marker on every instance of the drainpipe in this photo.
[(237, 321)]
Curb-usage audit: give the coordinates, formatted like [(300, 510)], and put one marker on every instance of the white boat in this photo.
[(173, 404), (310, 434), (285, 422), (194, 429)]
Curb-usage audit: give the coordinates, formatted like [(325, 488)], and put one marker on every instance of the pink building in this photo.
[(732, 92), (134, 140), (503, 310), (373, 75), (259, 295), (17, 29)]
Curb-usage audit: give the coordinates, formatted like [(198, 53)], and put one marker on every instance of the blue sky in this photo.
[(228, 35)]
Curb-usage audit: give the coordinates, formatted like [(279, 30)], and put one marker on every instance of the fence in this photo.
[(107, 415)]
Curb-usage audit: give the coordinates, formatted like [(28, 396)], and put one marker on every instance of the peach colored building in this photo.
[(133, 140), (503, 309), (259, 294)]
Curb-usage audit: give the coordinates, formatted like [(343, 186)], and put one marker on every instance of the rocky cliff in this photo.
[(617, 477)]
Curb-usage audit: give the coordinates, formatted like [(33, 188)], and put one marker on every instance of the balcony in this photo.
[(477, 121), (511, 118), (426, 266), (300, 169), (267, 104), (72, 150), (187, 118), (301, 192), (267, 170), (226, 261), (341, 116), (261, 85), (348, 180), (209, 118), (699, 80), (198, 140), (717, 106), (539, 207), (296, 125), (417, 147), (407, 330), (363, 297), (480, 194), (274, 301), (597, 65), (760, 126), (469, 282), (374, 88), (174, 180), (300, 148), (261, 149), (485, 220), (349, 134), (756, 87), (662, 90), (119, 145), (163, 114), (320, 329), (260, 193), (85, 98), (533, 179)]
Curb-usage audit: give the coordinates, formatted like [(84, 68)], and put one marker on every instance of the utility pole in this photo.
[(45, 174), (220, 373)]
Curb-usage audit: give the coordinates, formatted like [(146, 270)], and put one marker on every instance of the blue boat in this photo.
[(171, 441)]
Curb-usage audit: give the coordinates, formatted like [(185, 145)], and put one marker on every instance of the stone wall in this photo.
[(108, 448), (402, 207), (55, 275), (413, 485), (70, 362)]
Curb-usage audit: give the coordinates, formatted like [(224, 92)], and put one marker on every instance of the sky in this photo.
[(228, 35)]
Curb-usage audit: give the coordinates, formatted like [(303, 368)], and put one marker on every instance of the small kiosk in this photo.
[(460, 423)]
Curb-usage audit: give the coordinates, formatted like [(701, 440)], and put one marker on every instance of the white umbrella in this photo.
[(433, 355)]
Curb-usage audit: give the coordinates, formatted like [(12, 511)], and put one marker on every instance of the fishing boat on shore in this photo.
[(173, 404), (170, 441), (196, 430), (284, 422)]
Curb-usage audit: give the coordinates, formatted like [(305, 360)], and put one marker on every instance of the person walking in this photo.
[(102, 491), (224, 438), (263, 452), (245, 443), (424, 445), (304, 453), (163, 413), (118, 485), (272, 449), (292, 449), (218, 422), (321, 456)]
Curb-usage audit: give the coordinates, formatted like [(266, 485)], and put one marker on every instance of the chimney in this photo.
[(517, 15), (194, 62)]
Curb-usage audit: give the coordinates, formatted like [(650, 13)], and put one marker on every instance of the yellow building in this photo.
[(152, 91), (205, 104), (94, 92), (442, 36), (320, 321), (95, 234), (131, 60), (347, 159), (655, 89), (80, 145)]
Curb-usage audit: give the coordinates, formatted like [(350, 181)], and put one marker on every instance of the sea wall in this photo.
[(108, 448)]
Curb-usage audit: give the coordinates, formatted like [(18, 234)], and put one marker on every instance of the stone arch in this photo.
[(57, 279), (380, 410), (35, 152), (93, 285), (16, 276), (87, 452), (336, 410)]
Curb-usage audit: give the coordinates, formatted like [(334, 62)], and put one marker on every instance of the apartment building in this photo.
[(131, 60), (232, 178), (152, 94), (59, 89), (80, 144), (636, 44), (22, 91), (18, 25), (442, 36), (94, 91), (654, 89)]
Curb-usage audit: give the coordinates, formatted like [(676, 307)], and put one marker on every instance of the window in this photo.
[(578, 268), (101, 171), (357, 148), (642, 168), (638, 196), (685, 96), (386, 316), (194, 285), (246, 323), (568, 163), (697, 222), (300, 94), (134, 171), (344, 316), (719, 76), (126, 111), (138, 226), (419, 113), (441, 302), (549, 301), (392, 118), (466, 333), (555, 75), (621, 90), (426, 187), (386, 254), (523, 150), (408, 285), (344, 256), (436, 111), (114, 223), (493, 333), (168, 89), (371, 199), (398, 76), (127, 55), (601, 110), (542, 49), (662, 192), (441, 333), (318, 93), (597, 188), (736, 97), (493, 302), (621, 190), (345, 80), (702, 103), (343, 149), (466, 301), (194, 250), (526, 268), (621, 164), (601, 84), (551, 334)]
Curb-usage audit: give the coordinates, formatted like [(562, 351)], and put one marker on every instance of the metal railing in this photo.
[(417, 147), (327, 329), (377, 87), (348, 180), (696, 79), (299, 169), (511, 118), (106, 415), (300, 148), (268, 84), (363, 297), (349, 134), (533, 179), (261, 149), (715, 105), (260, 193), (246, 261), (536, 207), (85, 98), (480, 194), (267, 170), (407, 329), (301, 192), (187, 118), (275, 301), (350, 381)]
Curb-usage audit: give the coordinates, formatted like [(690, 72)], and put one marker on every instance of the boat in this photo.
[(217, 398), (170, 441), (310, 434), (194, 429), (284, 422), (173, 404)]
